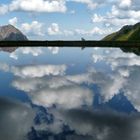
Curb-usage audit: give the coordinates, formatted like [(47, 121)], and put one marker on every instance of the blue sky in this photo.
[(69, 19)]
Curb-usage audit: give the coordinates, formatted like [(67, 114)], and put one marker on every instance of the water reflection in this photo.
[(70, 94)]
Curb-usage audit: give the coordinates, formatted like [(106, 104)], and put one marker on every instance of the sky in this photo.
[(69, 19)]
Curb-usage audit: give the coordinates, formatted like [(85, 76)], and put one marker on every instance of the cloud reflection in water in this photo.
[(69, 97)]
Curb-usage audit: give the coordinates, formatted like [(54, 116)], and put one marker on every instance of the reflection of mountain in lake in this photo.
[(133, 50), (8, 49)]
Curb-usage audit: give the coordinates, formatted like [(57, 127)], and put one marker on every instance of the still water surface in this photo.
[(69, 94)]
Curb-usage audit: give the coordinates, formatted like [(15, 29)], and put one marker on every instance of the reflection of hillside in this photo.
[(8, 49), (134, 50)]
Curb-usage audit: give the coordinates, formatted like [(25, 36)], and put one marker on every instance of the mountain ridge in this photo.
[(126, 33), (9, 32)]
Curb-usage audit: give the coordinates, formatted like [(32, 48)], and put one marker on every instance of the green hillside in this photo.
[(126, 33)]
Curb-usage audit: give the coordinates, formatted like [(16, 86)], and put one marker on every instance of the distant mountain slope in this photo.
[(126, 33), (9, 32)]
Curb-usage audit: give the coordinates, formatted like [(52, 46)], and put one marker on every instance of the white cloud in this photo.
[(26, 50), (54, 91), (31, 50), (90, 3), (54, 29), (33, 84), (122, 65), (110, 84), (34, 6), (132, 88), (3, 9), (54, 50), (116, 58), (125, 76), (13, 21), (38, 70), (125, 3), (77, 96), (97, 18), (34, 27), (94, 31), (122, 13)]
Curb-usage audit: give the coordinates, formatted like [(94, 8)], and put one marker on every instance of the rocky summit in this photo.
[(9, 32)]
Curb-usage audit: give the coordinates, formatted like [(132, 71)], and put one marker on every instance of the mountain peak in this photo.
[(9, 32), (126, 33)]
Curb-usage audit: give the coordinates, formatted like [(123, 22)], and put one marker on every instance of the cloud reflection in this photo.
[(26, 50), (38, 70), (55, 91), (102, 125), (125, 72), (16, 119), (70, 97), (34, 51)]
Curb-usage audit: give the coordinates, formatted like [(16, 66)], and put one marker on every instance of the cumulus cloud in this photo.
[(48, 91), (121, 13), (16, 119), (62, 86), (97, 18), (77, 96), (13, 21), (38, 70), (116, 58), (86, 123), (110, 84), (34, 6), (26, 50), (131, 87), (125, 77), (125, 3), (94, 31), (54, 50), (34, 27), (54, 29), (89, 3)]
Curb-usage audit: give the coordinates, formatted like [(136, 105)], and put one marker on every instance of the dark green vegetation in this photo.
[(74, 43), (133, 50), (126, 33)]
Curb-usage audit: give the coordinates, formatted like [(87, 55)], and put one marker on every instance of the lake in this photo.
[(69, 94)]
